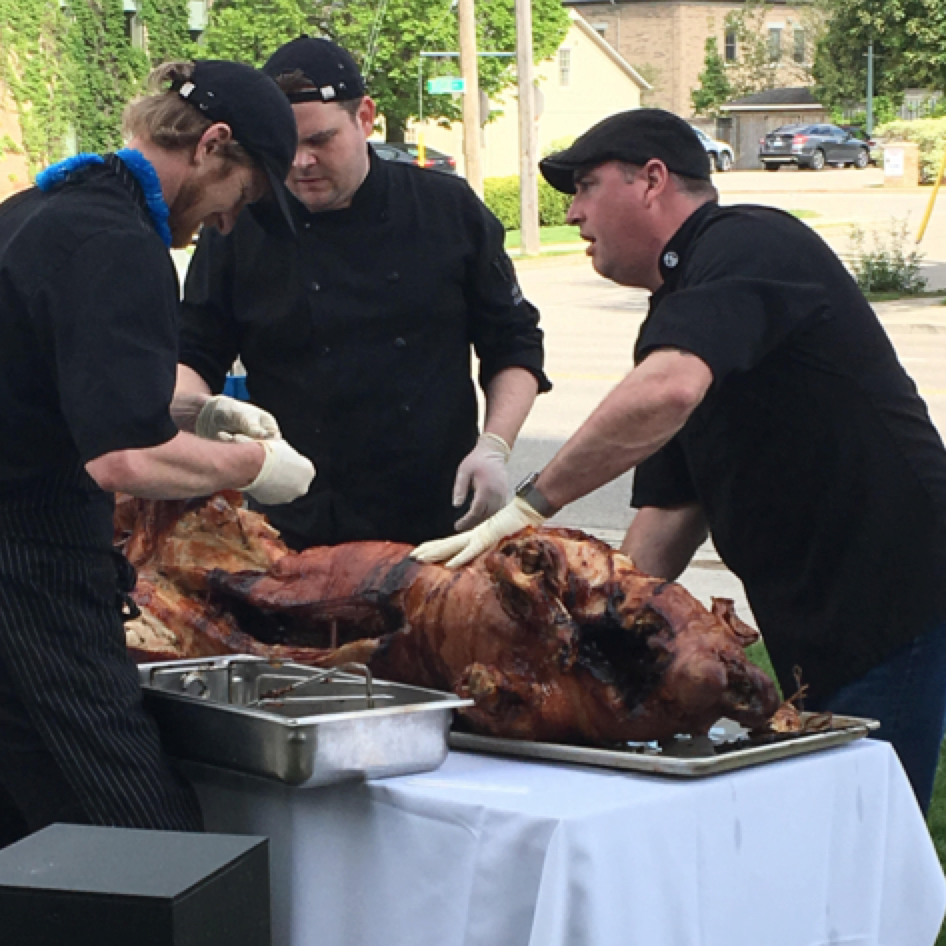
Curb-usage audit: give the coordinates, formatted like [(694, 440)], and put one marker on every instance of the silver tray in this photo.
[(727, 747), (296, 724)]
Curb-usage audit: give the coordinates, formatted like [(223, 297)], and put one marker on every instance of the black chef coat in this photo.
[(821, 475), (88, 327), (357, 335), (88, 346)]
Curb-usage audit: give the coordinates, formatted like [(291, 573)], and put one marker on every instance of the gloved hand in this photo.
[(485, 469), (460, 549), (223, 418), (285, 475)]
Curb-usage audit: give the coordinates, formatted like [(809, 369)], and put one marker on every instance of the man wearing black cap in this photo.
[(356, 331), (88, 348), (768, 409)]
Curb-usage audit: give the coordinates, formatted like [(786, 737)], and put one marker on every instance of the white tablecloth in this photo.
[(824, 849)]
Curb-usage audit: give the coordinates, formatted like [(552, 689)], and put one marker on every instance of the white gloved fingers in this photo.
[(487, 501), (461, 485), (459, 549), (285, 475), (222, 416), (439, 550)]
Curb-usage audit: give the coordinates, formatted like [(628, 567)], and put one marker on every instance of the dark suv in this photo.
[(812, 146)]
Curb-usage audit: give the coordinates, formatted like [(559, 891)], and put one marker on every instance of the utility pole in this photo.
[(466, 16), (528, 159), (870, 88)]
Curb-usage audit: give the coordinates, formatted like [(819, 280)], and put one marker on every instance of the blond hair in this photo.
[(168, 120)]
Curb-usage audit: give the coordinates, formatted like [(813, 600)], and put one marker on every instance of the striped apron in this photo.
[(65, 676)]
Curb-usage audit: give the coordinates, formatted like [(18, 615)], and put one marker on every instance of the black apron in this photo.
[(69, 694)]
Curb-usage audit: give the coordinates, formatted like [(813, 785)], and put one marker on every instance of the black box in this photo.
[(72, 885)]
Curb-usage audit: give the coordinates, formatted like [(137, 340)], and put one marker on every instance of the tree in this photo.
[(909, 39), (388, 37), (251, 31), (714, 87)]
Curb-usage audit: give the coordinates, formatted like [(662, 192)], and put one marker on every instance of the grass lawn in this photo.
[(937, 816), (547, 235)]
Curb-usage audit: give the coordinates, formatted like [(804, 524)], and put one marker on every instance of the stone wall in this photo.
[(665, 40)]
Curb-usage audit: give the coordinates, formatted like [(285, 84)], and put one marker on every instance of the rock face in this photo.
[(554, 635)]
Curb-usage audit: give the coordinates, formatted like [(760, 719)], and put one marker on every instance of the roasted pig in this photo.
[(554, 635)]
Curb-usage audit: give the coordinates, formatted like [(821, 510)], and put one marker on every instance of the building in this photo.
[(755, 116), (585, 81), (666, 41)]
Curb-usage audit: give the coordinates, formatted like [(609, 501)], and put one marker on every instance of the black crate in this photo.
[(72, 885)]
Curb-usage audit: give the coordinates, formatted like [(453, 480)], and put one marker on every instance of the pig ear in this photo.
[(725, 610)]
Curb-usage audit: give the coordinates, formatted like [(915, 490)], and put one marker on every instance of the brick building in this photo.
[(665, 40)]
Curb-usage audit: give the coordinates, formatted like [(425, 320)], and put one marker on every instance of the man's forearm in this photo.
[(510, 395), (661, 542), (634, 421), (179, 469), (190, 394)]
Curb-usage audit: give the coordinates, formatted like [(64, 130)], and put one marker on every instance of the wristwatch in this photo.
[(528, 492)]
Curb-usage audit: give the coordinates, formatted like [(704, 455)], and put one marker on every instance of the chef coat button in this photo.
[(314, 286), (325, 350), (394, 277), (400, 343), (307, 225), (405, 408)]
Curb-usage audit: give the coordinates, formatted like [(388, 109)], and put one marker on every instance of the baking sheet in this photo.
[(727, 747)]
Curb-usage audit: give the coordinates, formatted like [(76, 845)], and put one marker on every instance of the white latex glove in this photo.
[(224, 418), (460, 549), (484, 468), (285, 475)]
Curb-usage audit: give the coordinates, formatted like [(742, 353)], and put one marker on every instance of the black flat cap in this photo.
[(636, 137), (333, 72), (255, 109)]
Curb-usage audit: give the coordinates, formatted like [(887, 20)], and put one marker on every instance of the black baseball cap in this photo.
[(636, 136), (255, 109), (333, 72)]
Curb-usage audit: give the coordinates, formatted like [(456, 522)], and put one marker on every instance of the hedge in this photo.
[(928, 133), (501, 195)]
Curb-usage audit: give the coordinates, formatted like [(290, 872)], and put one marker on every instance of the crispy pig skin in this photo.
[(554, 635)]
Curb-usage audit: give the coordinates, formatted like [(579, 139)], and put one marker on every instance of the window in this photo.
[(730, 46), (601, 29), (798, 53), (775, 44), (564, 66)]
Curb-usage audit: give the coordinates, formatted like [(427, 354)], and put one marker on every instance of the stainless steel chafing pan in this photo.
[(296, 724)]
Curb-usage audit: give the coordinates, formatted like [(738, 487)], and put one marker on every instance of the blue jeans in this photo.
[(907, 693)]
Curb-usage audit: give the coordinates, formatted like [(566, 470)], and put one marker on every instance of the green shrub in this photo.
[(885, 267), (928, 133), (501, 195)]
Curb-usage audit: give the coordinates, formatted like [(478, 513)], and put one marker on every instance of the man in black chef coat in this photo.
[(768, 409), (88, 352), (356, 332)]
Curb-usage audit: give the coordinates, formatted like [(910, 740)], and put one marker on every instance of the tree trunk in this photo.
[(395, 128)]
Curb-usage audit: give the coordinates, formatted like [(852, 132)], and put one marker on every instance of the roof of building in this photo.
[(774, 99), (598, 40)]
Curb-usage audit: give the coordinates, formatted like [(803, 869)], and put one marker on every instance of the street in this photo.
[(591, 325)]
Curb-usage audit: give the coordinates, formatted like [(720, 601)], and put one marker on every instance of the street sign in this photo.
[(445, 85)]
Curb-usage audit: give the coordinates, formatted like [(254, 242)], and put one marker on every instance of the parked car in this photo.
[(812, 146), (407, 154), (720, 152)]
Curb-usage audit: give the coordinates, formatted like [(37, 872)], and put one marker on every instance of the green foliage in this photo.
[(909, 38), (884, 107), (885, 266), (105, 71), (389, 49), (928, 133), (558, 144), (167, 22), (714, 89), (251, 31), (32, 33), (501, 195)]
